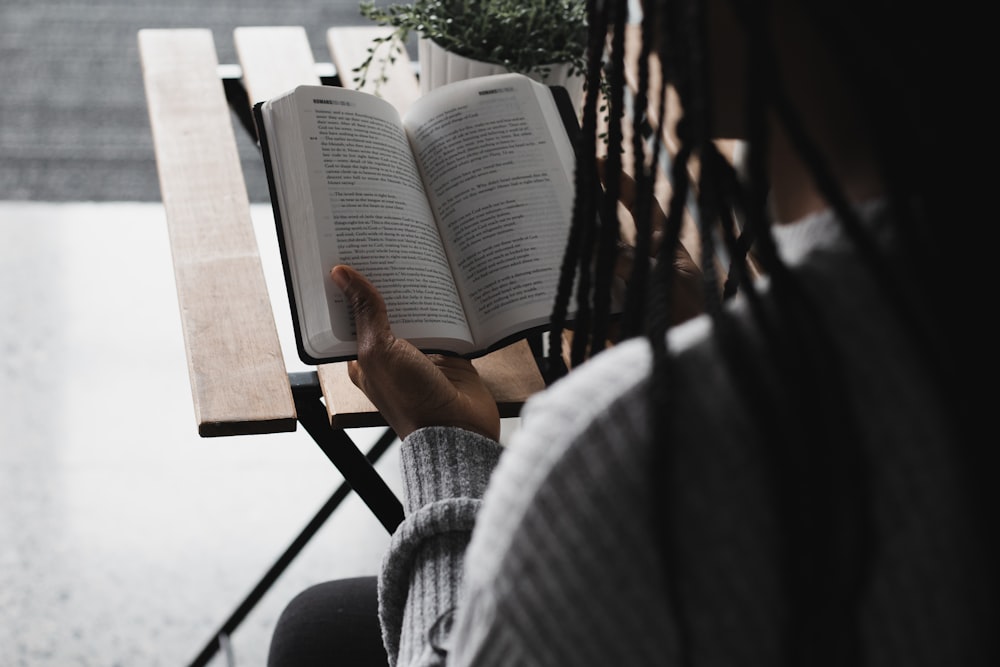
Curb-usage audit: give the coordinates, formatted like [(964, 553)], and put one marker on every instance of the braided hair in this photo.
[(821, 492)]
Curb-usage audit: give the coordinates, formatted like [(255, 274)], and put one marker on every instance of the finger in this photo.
[(657, 218), (367, 305), (627, 189), (355, 373), (626, 184), (624, 261)]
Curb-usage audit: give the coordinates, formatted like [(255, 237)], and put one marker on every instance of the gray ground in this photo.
[(125, 539), (73, 124)]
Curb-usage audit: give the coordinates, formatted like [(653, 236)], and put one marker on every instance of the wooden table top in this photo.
[(239, 378)]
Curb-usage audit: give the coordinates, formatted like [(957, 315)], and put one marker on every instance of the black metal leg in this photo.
[(359, 475), (342, 451)]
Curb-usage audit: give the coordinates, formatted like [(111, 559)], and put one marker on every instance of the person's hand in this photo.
[(687, 285), (411, 389)]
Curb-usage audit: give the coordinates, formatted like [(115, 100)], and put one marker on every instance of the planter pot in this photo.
[(439, 66)]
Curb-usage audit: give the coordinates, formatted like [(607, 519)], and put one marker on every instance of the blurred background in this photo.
[(125, 539), (73, 124)]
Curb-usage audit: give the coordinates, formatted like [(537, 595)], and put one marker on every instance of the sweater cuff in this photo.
[(421, 573), (440, 462)]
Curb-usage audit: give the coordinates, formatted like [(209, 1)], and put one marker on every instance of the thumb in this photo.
[(367, 305)]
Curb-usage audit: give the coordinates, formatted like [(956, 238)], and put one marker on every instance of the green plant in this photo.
[(521, 35)]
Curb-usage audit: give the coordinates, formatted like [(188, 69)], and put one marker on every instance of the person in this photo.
[(797, 475)]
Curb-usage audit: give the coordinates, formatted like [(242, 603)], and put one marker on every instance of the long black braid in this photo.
[(609, 225), (824, 520), (820, 488), (586, 203)]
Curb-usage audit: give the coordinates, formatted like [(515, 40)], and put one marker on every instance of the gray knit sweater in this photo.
[(562, 567)]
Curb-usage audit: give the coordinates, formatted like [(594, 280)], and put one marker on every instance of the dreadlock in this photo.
[(821, 492)]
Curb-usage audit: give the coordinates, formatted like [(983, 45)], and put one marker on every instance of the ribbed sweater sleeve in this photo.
[(445, 472)]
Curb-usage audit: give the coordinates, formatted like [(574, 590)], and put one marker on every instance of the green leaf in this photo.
[(519, 34)]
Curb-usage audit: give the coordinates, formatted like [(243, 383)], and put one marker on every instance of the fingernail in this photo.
[(340, 278)]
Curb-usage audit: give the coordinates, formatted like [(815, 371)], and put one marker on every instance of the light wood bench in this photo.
[(238, 375), (239, 378)]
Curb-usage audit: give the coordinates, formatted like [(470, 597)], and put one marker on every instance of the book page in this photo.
[(371, 213), (497, 163)]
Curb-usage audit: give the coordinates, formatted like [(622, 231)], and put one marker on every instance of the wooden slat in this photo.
[(349, 47), (238, 376), (633, 41), (510, 373), (274, 60), (633, 44), (690, 236)]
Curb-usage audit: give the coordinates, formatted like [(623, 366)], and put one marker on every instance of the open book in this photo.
[(457, 212)]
